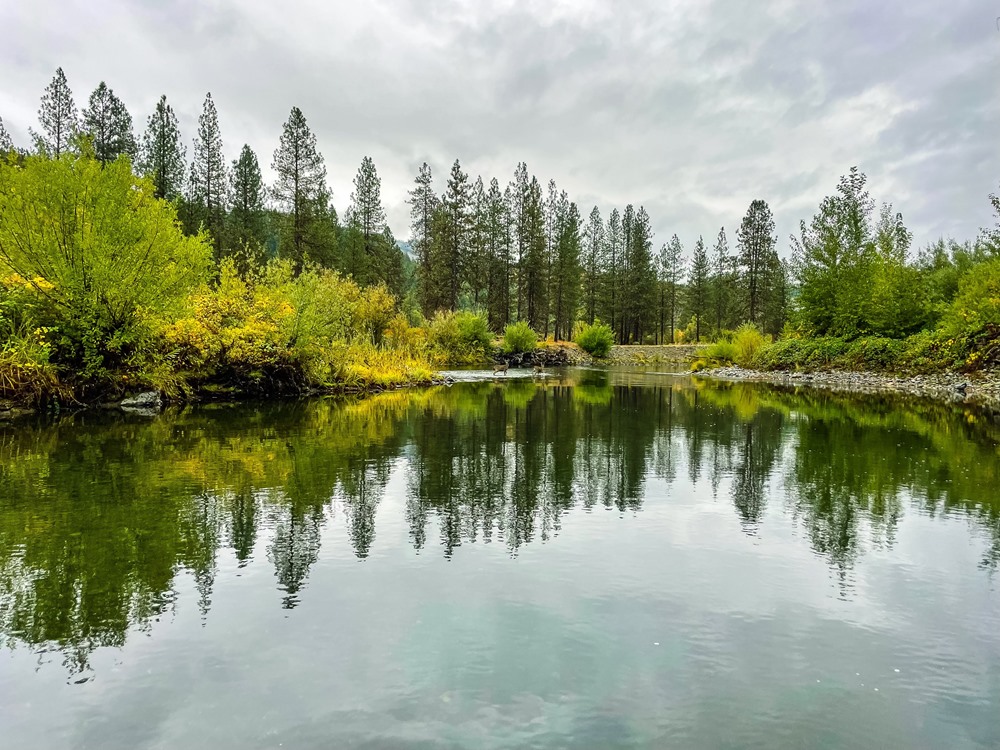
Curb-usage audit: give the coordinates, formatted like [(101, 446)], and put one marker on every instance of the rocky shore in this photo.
[(648, 354), (982, 389)]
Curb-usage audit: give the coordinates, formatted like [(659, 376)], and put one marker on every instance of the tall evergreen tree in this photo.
[(437, 277), (162, 154), (521, 219), (534, 283), (248, 214), (722, 281), (640, 274), (698, 286), (592, 264), (300, 189), (775, 302), (756, 242), (497, 239), (109, 124), (423, 205), (612, 293), (555, 208), (207, 197), (369, 259), (58, 118), (478, 260), (390, 264), (457, 207), (566, 269), (671, 273)]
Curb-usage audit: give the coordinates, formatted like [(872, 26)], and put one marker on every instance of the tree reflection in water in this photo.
[(99, 514)]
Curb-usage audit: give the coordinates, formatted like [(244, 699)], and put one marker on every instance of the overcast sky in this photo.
[(691, 108)]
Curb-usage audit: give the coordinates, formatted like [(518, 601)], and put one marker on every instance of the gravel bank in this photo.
[(982, 389), (642, 354)]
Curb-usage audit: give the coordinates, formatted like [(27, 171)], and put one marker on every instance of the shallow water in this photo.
[(588, 559)]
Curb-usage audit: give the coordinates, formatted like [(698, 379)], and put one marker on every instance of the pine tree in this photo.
[(566, 270), (698, 286), (248, 215), (625, 243), (109, 125), (477, 263), (612, 270), (423, 205), (369, 259), (722, 281), (593, 260), (640, 273), (58, 118), (775, 303), (756, 242), (671, 273), (533, 265), (390, 262), (300, 189), (6, 144), (555, 209), (207, 195), (520, 190), (497, 241), (455, 243), (162, 154), (438, 277)]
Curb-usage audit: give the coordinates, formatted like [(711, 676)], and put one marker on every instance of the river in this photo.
[(590, 558)]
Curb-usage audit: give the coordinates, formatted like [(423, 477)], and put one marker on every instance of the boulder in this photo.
[(148, 401)]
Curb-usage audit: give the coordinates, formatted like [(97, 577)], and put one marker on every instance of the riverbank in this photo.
[(981, 388), (641, 354)]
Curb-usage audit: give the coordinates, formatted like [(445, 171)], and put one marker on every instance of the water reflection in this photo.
[(100, 514)]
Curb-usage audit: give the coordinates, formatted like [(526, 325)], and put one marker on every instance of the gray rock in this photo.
[(149, 401)]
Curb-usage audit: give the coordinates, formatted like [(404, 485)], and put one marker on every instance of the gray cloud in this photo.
[(690, 108)]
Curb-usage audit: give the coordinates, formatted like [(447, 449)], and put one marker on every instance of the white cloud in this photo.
[(691, 108)]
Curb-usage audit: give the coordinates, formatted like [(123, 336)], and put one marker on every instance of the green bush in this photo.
[(596, 339), (460, 337), (928, 351), (101, 258), (748, 341), (784, 354), (973, 320), (873, 353), (721, 352), (518, 338)]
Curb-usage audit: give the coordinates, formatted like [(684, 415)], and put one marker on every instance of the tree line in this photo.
[(516, 253), (521, 251), (293, 217)]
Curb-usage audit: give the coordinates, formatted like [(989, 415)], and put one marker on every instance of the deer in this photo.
[(501, 368)]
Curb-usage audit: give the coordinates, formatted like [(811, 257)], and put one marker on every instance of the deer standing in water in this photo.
[(501, 368)]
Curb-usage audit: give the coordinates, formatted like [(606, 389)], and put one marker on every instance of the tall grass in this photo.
[(743, 347)]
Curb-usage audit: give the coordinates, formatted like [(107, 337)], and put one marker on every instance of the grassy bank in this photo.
[(927, 352), (103, 295)]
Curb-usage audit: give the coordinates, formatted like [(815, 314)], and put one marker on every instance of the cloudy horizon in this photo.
[(690, 109)]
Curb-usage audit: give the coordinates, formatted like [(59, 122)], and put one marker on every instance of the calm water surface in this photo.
[(593, 560)]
